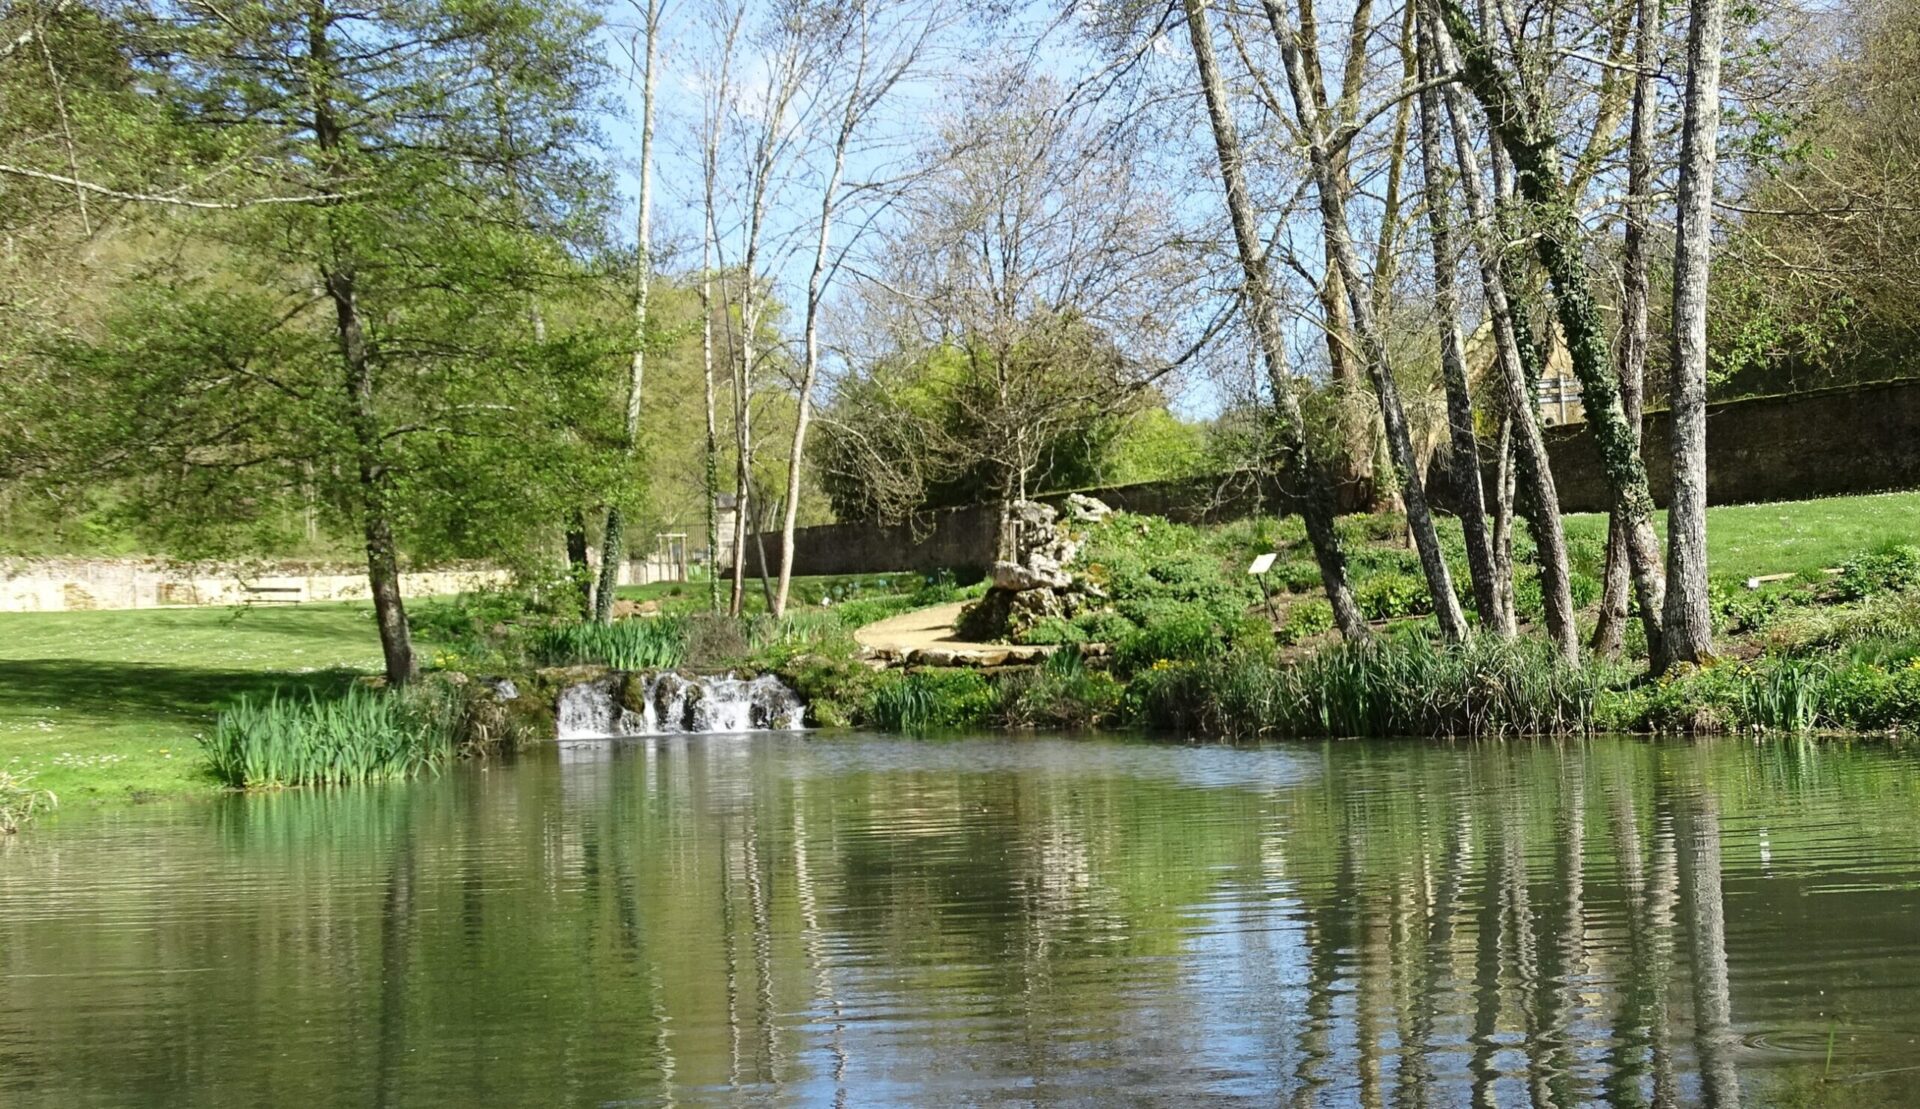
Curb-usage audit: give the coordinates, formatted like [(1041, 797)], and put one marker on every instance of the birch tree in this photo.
[(877, 67)]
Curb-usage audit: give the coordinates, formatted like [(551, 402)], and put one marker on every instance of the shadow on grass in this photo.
[(131, 691)]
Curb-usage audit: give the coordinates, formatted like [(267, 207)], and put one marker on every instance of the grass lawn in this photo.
[(102, 705), (1793, 537)]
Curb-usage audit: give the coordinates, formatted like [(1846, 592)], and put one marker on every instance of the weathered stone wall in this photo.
[(965, 538), (72, 584), (1854, 439)]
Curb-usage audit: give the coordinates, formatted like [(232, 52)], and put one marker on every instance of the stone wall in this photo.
[(1854, 439), (966, 538), (73, 584)]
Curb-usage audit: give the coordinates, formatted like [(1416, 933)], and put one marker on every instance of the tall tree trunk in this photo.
[(1333, 221), (816, 289), (742, 481), (1356, 432), (1502, 538), (383, 566), (1689, 620), (1558, 243), (1512, 345), (1610, 628), (613, 540), (1465, 443), (1316, 495), (338, 277), (579, 563), (712, 467)]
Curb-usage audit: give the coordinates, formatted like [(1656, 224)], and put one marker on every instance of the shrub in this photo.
[(1306, 619), (359, 736), (1891, 569), (1104, 627), (20, 801), (1738, 610), (1180, 633), (929, 700), (1054, 630), (647, 644), (1299, 575), (715, 641), (1392, 593)]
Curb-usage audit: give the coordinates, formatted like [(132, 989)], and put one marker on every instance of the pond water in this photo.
[(865, 920)]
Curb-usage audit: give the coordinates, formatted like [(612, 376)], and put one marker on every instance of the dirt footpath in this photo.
[(928, 633)]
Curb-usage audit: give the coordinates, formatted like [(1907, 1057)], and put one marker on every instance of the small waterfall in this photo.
[(666, 703), (593, 709)]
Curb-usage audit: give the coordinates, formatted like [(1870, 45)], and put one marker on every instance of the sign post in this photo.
[(1261, 564)]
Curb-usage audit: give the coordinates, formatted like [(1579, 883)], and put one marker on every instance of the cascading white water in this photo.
[(671, 703)]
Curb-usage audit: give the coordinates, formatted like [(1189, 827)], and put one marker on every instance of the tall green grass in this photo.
[(1409, 687), (655, 643), (20, 802), (362, 735)]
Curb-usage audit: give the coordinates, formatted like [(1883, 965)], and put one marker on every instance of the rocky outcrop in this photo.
[(1038, 583)]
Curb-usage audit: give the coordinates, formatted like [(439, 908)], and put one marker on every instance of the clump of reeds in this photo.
[(1411, 687), (655, 643), (361, 735), (20, 801)]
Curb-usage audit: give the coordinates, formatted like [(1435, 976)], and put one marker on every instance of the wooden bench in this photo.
[(273, 594)]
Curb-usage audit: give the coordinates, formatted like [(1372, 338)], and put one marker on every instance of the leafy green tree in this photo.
[(377, 344)]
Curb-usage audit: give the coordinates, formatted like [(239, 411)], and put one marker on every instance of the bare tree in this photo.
[(877, 69), (1529, 139), (1465, 456), (1317, 507), (1531, 471), (1333, 224)]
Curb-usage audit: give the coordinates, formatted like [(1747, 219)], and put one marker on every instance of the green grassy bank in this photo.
[(109, 705)]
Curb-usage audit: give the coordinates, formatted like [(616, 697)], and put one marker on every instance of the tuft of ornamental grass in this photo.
[(362, 735), (656, 643), (20, 801)]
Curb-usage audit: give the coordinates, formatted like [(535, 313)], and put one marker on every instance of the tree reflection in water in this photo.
[(691, 920)]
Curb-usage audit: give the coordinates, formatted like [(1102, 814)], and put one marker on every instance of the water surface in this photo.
[(862, 920)]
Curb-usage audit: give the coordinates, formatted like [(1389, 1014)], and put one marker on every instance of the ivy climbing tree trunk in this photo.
[(1689, 619), (1315, 482), (1610, 627), (1513, 345), (613, 541), (1558, 242)]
